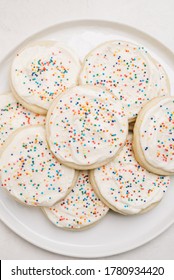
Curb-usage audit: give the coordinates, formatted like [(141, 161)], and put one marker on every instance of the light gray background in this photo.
[(21, 18)]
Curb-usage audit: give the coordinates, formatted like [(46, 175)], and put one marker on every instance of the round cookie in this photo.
[(29, 171), (81, 209), (126, 187), (13, 116), (86, 127), (153, 140), (128, 71), (40, 72)]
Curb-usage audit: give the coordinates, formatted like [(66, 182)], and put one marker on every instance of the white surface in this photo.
[(154, 18)]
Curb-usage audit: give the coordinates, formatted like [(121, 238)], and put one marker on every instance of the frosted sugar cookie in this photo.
[(80, 209), (29, 171), (13, 115), (153, 141), (126, 187), (127, 71), (86, 127), (40, 72)]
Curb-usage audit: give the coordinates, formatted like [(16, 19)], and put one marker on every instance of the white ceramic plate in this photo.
[(115, 233)]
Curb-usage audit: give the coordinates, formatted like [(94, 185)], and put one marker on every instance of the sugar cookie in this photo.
[(127, 71), (86, 127), (40, 72), (13, 116), (126, 187), (153, 141), (29, 171), (80, 209)]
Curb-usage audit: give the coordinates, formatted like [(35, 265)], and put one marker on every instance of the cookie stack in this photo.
[(80, 160)]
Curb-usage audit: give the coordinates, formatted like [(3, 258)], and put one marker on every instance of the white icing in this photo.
[(157, 134), (13, 115), (127, 186), (127, 71), (30, 172), (80, 208), (87, 126), (164, 81), (42, 71)]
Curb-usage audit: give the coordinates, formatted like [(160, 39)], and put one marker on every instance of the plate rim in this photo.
[(7, 218), (67, 250)]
